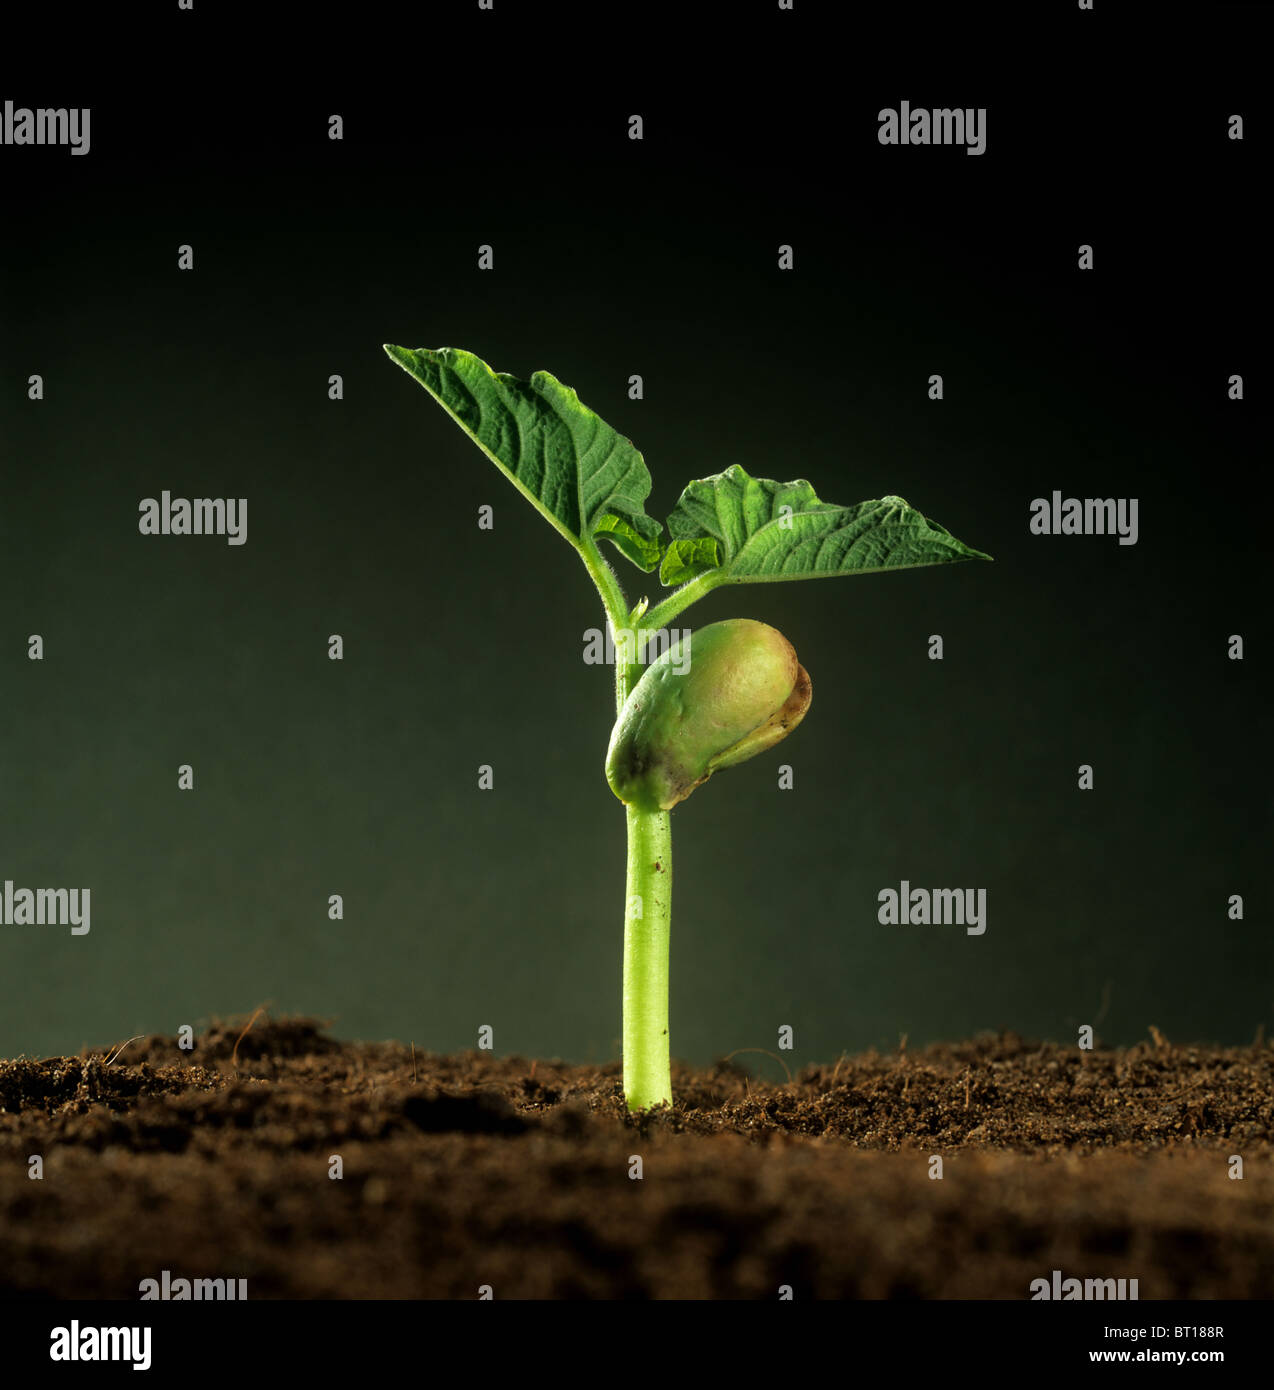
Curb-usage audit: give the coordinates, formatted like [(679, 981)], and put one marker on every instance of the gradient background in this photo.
[(464, 647)]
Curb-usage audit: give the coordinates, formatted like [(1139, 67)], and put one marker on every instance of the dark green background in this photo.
[(464, 647)]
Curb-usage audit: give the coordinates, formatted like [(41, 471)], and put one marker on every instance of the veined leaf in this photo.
[(643, 552), (750, 530), (685, 559), (586, 479)]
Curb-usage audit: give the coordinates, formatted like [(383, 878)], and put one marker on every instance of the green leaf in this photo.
[(584, 477), (740, 528), (685, 559), (630, 542)]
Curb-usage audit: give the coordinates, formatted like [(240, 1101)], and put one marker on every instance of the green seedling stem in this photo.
[(733, 691)]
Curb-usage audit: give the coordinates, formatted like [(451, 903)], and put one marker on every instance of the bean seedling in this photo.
[(716, 697)]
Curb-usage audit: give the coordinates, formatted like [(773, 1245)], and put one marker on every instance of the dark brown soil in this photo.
[(464, 1171)]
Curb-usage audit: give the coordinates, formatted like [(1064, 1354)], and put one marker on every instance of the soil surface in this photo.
[(469, 1170)]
